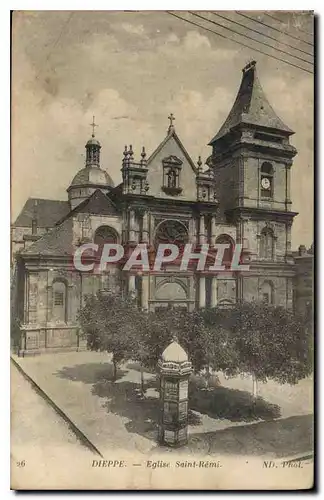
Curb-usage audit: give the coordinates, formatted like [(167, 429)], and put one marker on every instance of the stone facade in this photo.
[(304, 281), (242, 196)]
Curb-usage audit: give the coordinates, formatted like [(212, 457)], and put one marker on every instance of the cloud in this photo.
[(131, 75), (293, 102), (172, 38), (49, 136), (195, 41), (133, 29)]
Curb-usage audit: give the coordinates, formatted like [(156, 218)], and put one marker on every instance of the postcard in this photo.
[(162, 250)]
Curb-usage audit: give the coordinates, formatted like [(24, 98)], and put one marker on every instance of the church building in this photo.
[(240, 195)]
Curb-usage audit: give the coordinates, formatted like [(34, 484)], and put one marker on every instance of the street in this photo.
[(36, 429)]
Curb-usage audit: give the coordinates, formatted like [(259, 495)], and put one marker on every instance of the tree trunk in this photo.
[(207, 376), (142, 382), (255, 387), (115, 370)]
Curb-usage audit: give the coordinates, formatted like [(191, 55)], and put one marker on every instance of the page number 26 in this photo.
[(21, 463)]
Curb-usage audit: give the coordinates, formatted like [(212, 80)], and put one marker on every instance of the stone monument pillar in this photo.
[(174, 370)]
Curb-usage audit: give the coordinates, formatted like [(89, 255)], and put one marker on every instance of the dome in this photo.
[(174, 352), (92, 175), (93, 142)]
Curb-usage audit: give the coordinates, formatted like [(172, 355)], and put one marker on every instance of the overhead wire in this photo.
[(238, 43), (273, 28), (249, 38), (282, 22), (261, 33)]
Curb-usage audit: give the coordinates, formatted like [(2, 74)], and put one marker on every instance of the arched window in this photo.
[(171, 231), (266, 168), (267, 244), (105, 234), (267, 292), (266, 180), (59, 310), (225, 239)]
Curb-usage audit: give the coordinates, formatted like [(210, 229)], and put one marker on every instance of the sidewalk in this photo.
[(113, 417), (74, 382)]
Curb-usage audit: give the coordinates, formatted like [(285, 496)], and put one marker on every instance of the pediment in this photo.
[(172, 160)]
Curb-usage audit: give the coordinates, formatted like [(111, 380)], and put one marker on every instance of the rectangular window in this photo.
[(34, 226), (59, 299)]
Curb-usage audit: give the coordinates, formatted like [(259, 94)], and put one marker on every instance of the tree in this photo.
[(111, 323), (219, 349), (271, 343)]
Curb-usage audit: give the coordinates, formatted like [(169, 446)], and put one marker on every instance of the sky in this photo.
[(130, 70)]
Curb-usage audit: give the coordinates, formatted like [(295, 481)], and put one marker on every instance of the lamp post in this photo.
[(174, 370)]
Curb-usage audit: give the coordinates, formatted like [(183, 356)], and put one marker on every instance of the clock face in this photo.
[(265, 183)]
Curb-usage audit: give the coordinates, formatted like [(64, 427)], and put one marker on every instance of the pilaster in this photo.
[(145, 292), (202, 292), (213, 299)]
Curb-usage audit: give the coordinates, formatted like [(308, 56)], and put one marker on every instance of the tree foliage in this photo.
[(271, 342), (266, 342), (111, 323)]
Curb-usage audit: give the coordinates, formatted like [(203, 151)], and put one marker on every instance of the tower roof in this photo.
[(251, 107)]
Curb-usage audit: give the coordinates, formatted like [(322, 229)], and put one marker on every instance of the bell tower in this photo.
[(252, 154), (252, 159)]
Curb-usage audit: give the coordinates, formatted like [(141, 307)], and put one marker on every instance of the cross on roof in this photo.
[(93, 125), (171, 118)]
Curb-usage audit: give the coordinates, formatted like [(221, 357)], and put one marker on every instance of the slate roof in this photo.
[(251, 107), (47, 212), (98, 203), (58, 242)]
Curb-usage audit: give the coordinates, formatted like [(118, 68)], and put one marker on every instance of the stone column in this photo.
[(288, 238), (26, 298), (33, 298), (213, 230), (288, 200), (145, 235), (70, 297), (131, 284), (193, 234), (145, 292), (202, 292), (289, 294), (202, 232), (213, 300), (132, 226), (124, 235)]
